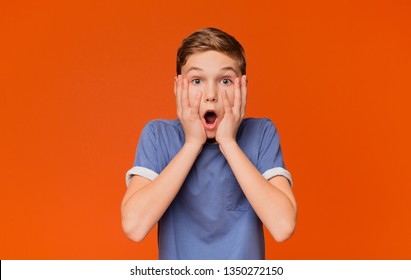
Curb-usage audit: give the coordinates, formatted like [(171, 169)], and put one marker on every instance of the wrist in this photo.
[(227, 146), (194, 147)]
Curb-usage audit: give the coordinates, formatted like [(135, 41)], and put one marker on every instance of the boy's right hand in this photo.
[(189, 115)]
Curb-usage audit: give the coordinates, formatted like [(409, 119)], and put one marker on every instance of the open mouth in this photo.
[(210, 119)]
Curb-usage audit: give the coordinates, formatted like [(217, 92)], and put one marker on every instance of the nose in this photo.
[(211, 94)]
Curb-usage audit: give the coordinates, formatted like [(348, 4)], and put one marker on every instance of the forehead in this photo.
[(210, 61)]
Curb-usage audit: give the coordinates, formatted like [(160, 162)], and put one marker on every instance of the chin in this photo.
[(210, 135)]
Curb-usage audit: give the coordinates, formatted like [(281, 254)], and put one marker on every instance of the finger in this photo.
[(244, 91), (237, 95), (226, 102), (196, 103), (184, 97), (175, 86), (178, 94)]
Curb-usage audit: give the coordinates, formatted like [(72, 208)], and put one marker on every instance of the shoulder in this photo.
[(162, 126), (252, 129), (257, 132), (257, 125), (162, 123), (163, 132)]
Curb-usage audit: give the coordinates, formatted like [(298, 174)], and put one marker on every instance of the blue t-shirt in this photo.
[(210, 217)]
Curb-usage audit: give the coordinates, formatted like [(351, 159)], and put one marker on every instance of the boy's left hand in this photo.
[(233, 114)]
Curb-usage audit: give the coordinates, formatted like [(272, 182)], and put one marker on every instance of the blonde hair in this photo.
[(211, 39)]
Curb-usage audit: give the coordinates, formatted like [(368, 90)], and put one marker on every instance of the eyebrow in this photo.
[(194, 69), (228, 68)]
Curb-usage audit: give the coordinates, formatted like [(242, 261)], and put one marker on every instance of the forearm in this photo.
[(142, 209), (276, 209)]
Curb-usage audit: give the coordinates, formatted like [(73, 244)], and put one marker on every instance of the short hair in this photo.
[(210, 39)]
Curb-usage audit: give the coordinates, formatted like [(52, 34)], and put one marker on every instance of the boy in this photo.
[(211, 178)]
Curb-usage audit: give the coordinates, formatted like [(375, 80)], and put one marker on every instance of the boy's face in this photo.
[(211, 73)]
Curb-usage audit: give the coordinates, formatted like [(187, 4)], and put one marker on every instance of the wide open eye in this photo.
[(226, 81), (196, 81)]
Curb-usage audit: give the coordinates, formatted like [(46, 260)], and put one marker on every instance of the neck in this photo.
[(211, 141)]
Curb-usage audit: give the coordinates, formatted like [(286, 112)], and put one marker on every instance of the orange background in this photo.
[(78, 80)]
